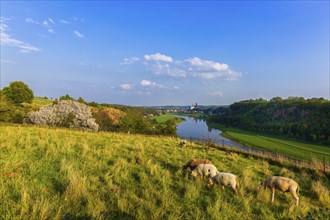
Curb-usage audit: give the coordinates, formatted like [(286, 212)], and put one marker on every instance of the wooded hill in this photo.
[(293, 117)]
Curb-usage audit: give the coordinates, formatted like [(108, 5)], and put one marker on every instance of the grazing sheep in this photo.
[(192, 164), (183, 143), (224, 179), (281, 183), (204, 170)]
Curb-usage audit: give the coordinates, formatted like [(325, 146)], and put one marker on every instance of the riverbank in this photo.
[(288, 147)]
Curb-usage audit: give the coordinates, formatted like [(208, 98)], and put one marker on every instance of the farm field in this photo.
[(288, 147), (53, 173)]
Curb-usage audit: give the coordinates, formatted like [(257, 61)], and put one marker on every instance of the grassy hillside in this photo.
[(48, 173), (292, 148), (38, 103)]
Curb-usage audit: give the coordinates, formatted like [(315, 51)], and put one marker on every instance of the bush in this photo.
[(65, 113), (107, 117), (18, 92), (10, 112)]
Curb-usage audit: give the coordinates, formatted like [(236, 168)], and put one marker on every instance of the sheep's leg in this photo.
[(234, 188), (295, 196), (273, 194), (222, 186)]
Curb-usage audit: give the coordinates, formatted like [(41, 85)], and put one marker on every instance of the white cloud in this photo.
[(167, 69), (45, 23), (160, 64), (207, 64), (232, 75), (126, 86), (146, 83), (64, 21), (30, 20), (158, 57), (51, 20), (51, 31), (217, 94), (130, 60), (8, 40), (78, 34)]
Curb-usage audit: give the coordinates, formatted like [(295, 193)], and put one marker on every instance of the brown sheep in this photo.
[(193, 163), (281, 183)]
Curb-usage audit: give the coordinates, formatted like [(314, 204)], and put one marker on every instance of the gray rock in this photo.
[(65, 113)]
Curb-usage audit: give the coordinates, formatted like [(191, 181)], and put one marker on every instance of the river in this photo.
[(197, 129)]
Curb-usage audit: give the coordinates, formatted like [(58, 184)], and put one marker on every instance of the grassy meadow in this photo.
[(37, 103), (54, 173), (288, 147), (162, 119)]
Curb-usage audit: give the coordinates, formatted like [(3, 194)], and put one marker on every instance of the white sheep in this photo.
[(224, 179), (281, 183), (204, 170), (183, 142)]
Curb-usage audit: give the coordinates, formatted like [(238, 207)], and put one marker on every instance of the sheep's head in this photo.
[(260, 185), (210, 181), (194, 173)]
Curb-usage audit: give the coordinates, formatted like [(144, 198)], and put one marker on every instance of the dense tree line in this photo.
[(297, 117)]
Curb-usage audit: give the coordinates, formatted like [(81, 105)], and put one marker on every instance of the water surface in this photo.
[(197, 129)]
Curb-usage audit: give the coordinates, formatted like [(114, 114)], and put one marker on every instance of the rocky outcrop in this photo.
[(66, 113)]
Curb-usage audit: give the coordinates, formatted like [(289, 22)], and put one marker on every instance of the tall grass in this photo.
[(48, 173)]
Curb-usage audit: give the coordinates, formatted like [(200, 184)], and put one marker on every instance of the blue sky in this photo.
[(167, 53)]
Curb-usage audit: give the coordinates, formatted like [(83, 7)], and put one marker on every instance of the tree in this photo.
[(66, 97), (18, 92)]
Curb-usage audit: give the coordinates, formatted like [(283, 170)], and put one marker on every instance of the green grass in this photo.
[(38, 103), (289, 147), (42, 101), (162, 119), (193, 114), (53, 173)]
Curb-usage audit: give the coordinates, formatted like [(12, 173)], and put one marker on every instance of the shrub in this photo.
[(65, 113), (107, 117), (18, 92), (10, 112)]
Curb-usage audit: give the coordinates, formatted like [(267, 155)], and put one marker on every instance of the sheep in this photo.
[(281, 183), (225, 179), (183, 143), (204, 170), (193, 163)]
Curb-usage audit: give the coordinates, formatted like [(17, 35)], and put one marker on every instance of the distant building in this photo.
[(192, 107)]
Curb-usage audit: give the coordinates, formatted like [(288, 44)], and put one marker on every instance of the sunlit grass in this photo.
[(288, 147), (49, 173)]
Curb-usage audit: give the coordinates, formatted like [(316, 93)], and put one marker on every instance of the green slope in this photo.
[(64, 174)]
